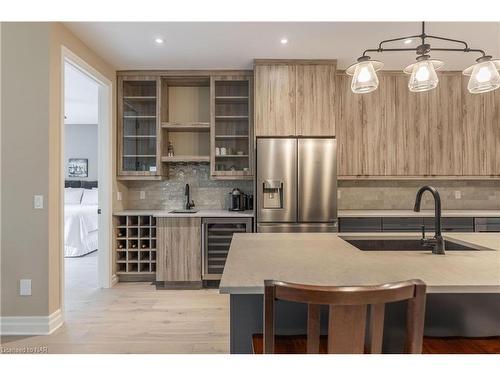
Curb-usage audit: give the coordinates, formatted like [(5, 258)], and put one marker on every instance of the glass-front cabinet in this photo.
[(138, 127), (231, 122)]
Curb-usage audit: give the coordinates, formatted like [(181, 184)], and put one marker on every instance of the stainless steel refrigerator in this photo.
[(296, 184)]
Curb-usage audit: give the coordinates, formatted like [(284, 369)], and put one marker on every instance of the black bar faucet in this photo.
[(189, 202), (437, 242)]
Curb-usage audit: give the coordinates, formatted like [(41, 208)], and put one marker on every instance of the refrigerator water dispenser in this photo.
[(272, 194)]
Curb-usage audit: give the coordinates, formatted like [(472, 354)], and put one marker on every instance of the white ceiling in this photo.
[(234, 45), (80, 97)]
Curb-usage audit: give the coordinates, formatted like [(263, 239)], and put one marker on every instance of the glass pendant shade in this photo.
[(423, 75), (484, 77), (364, 76)]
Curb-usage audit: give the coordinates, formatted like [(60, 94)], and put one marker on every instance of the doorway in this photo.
[(86, 154)]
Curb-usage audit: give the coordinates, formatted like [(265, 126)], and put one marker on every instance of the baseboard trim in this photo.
[(30, 325), (114, 280)]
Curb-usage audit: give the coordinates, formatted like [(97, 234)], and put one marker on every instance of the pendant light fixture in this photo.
[(484, 74), (364, 76), (423, 74)]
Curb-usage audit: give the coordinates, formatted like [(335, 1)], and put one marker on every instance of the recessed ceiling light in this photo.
[(284, 41), (158, 40), (408, 41)]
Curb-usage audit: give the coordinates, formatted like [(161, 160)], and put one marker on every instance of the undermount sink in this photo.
[(404, 244), (183, 211)]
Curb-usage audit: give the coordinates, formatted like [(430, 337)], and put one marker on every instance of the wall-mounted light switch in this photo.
[(142, 194), (458, 194), (25, 287), (38, 202), (118, 195), (338, 194)]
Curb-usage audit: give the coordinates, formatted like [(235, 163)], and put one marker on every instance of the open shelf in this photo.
[(231, 117), (186, 159), (189, 127), (231, 156), (139, 97), (229, 136), (231, 99)]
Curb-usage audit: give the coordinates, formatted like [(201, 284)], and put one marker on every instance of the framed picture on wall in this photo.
[(78, 167)]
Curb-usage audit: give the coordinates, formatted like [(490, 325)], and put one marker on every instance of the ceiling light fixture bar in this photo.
[(423, 76)]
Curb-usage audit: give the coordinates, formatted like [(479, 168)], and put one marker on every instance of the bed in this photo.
[(80, 218)]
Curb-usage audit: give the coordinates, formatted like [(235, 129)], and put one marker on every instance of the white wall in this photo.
[(81, 143)]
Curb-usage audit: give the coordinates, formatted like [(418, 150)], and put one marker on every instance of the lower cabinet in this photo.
[(179, 251), (414, 224), (360, 224), (487, 224)]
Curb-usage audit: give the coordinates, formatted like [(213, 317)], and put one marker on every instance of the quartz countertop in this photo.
[(200, 213), (422, 213), (326, 259)]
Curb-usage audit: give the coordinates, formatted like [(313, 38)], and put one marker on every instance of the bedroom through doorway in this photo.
[(81, 184)]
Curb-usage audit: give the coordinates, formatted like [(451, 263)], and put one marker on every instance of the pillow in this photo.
[(72, 196), (90, 197)]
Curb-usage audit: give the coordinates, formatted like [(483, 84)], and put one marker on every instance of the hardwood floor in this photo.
[(137, 318), (432, 345), (461, 345)]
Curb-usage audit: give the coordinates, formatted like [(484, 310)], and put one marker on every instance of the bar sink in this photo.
[(404, 244), (183, 211)]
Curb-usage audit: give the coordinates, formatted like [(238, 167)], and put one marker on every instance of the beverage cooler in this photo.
[(217, 234)]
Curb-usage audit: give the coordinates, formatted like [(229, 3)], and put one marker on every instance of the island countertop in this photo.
[(326, 259)]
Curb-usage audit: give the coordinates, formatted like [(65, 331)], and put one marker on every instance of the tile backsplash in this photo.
[(169, 193), (356, 194), (400, 195)]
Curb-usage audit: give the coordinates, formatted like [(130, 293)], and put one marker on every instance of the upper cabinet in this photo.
[(481, 119), (411, 129), (231, 127), (295, 97), (275, 99), (315, 103), (445, 129), (138, 127), (395, 133), (168, 117)]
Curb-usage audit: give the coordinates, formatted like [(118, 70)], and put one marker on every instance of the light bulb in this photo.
[(364, 75), (483, 74), (422, 73), (483, 78)]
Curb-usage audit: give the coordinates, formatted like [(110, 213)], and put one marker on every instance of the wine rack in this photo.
[(135, 246)]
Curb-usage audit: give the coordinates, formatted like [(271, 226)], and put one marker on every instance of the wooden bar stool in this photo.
[(348, 307)]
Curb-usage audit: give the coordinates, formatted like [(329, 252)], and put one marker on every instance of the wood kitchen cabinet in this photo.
[(275, 99), (411, 129), (179, 251), (366, 129), (481, 121), (138, 127), (315, 103), (395, 133), (295, 97), (446, 132), (351, 130)]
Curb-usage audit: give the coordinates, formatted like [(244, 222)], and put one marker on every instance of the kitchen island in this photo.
[(463, 286)]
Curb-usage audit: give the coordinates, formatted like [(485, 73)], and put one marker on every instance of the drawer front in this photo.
[(402, 224), (451, 224), (360, 224), (487, 224)]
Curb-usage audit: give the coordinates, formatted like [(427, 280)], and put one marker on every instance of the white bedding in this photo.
[(80, 229)]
